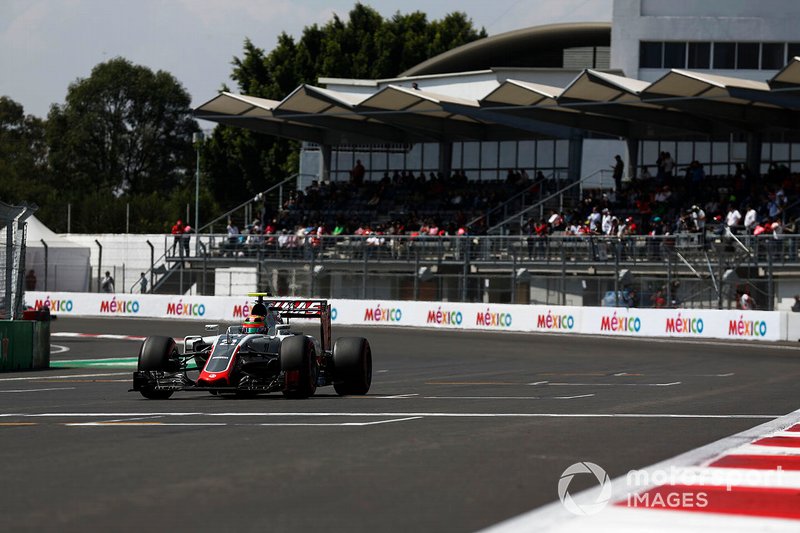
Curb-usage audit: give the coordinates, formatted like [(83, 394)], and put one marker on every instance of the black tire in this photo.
[(158, 354), (352, 363), (298, 355)]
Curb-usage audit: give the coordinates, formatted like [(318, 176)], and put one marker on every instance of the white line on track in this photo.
[(415, 414), (142, 424), (507, 397), (394, 397), (344, 424), (565, 384), (134, 423), (135, 419), (101, 336), (56, 349), (66, 376), (37, 390)]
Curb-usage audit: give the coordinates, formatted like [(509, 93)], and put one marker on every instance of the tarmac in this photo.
[(460, 430)]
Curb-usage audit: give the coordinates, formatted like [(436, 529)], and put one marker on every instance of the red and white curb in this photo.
[(743, 483)]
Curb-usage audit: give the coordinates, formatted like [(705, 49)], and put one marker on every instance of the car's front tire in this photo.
[(159, 354), (299, 364)]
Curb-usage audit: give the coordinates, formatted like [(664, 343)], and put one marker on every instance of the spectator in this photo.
[(233, 232), (107, 285), (177, 234), (357, 174), (796, 305), (606, 225), (746, 302), (698, 219), (750, 219), (185, 239), (667, 166), (30, 280), (733, 217), (142, 283), (619, 169), (658, 300), (595, 220)]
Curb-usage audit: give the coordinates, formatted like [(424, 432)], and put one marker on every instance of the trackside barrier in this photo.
[(24, 345), (683, 323)]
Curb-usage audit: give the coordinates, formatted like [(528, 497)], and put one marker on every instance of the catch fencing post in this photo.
[(46, 262), (99, 264), (152, 263)]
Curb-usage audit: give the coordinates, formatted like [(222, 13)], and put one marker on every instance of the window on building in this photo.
[(724, 55), (650, 54), (699, 55), (674, 55), (747, 55), (772, 56), (793, 50)]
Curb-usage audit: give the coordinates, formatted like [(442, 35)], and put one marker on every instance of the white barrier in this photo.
[(686, 323)]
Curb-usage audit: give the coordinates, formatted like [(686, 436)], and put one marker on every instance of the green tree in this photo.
[(24, 177), (124, 132), (241, 163)]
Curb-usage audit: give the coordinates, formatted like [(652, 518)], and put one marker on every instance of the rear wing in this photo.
[(306, 309), (298, 308)]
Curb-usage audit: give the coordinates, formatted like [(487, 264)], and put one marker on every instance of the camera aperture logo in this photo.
[(584, 509)]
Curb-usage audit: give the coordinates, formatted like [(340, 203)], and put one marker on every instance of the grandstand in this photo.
[(502, 150)]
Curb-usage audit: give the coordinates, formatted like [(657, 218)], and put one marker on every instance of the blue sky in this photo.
[(47, 44)]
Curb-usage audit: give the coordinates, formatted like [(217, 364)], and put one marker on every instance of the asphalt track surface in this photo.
[(459, 432)]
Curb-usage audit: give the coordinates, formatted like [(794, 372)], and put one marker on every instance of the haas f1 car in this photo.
[(262, 355)]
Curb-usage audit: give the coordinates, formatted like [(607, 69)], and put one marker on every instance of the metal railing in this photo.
[(497, 248), (557, 198), (517, 201), (709, 266), (247, 204)]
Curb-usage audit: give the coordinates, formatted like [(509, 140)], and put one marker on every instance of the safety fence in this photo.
[(570, 320), (12, 258), (685, 270)]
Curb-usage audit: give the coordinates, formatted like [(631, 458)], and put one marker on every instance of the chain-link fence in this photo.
[(12, 259)]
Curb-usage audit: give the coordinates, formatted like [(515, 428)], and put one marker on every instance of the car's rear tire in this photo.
[(158, 354), (299, 364), (352, 363)]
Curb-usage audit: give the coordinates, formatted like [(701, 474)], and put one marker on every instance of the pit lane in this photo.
[(460, 431)]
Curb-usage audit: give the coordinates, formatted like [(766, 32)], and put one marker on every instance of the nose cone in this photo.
[(213, 379)]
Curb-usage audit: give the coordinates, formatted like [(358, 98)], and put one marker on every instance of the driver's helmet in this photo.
[(254, 324)]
